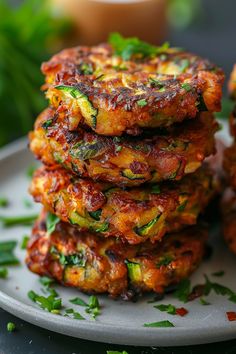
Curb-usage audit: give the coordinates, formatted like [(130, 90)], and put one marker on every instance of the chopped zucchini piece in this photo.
[(130, 175), (145, 229), (77, 219), (102, 228), (88, 111), (134, 271)]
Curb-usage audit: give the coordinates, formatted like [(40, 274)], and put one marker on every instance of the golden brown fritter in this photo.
[(134, 215), (229, 164), (97, 265), (229, 219), (112, 96), (232, 83), (168, 155)]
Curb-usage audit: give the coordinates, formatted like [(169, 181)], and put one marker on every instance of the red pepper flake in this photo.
[(231, 316), (181, 311)]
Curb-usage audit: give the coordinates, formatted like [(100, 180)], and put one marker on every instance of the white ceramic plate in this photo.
[(120, 322)]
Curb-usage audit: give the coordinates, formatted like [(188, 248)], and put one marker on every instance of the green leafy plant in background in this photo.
[(182, 13), (29, 34)]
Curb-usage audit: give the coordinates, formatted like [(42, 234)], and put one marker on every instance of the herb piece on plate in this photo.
[(204, 302), (78, 301), (7, 256), (74, 314), (51, 303), (164, 323), (30, 171), (219, 274), (4, 202), (11, 327), (183, 290), (3, 272), (93, 306), (51, 222), (18, 220), (46, 281), (24, 242), (172, 310)]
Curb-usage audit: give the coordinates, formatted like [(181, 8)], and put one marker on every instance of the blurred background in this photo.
[(32, 30)]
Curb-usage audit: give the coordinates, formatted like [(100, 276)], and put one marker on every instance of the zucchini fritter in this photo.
[(229, 219), (134, 215), (168, 155), (112, 96), (97, 265)]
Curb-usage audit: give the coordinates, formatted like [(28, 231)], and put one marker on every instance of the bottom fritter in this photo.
[(229, 219), (99, 265)]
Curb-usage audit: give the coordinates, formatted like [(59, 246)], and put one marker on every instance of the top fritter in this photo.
[(130, 85)]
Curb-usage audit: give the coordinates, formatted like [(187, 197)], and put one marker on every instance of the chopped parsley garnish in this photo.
[(142, 102), (164, 261), (11, 327), (77, 259), (86, 69), (187, 87), (18, 220), (46, 281), (47, 123), (204, 302), (103, 228), (156, 83), (219, 274), (24, 242), (51, 222), (156, 189), (164, 323), (172, 310), (3, 272), (30, 171), (78, 301), (129, 47), (183, 290), (93, 306), (7, 256), (74, 314), (96, 214), (50, 303), (4, 202), (184, 64)]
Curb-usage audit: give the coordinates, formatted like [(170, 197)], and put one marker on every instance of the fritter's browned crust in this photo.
[(229, 219), (134, 215), (232, 83), (97, 265), (113, 96), (229, 164), (168, 155)]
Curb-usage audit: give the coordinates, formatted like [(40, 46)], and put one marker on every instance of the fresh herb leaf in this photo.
[(204, 302), (184, 64), (18, 220), (129, 47), (24, 242), (75, 315), (3, 272), (183, 290), (77, 259), (30, 171), (7, 256), (171, 309), (96, 214), (4, 202), (47, 124), (103, 228), (164, 261), (51, 303), (219, 274), (164, 323), (93, 306), (51, 222), (142, 102), (78, 301), (156, 83), (46, 281), (11, 327), (186, 86)]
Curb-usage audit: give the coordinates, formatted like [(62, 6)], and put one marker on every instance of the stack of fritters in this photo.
[(229, 200), (123, 144)]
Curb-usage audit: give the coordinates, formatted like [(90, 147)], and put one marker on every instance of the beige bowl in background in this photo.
[(95, 19)]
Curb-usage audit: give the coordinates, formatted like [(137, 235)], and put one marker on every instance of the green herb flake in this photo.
[(47, 124), (204, 302), (7, 256), (156, 189), (78, 301), (96, 214), (4, 202), (103, 228), (8, 221), (186, 86), (93, 307), (184, 64), (142, 102), (24, 242), (76, 259), (3, 272), (170, 309), (183, 290), (164, 261), (30, 171), (129, 47), (164, 323), (75, 315), (156, 83), (182, 206), (51, 303), (51, 222), (46, 281), (219, 274), (11, 327), (27, 203)]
